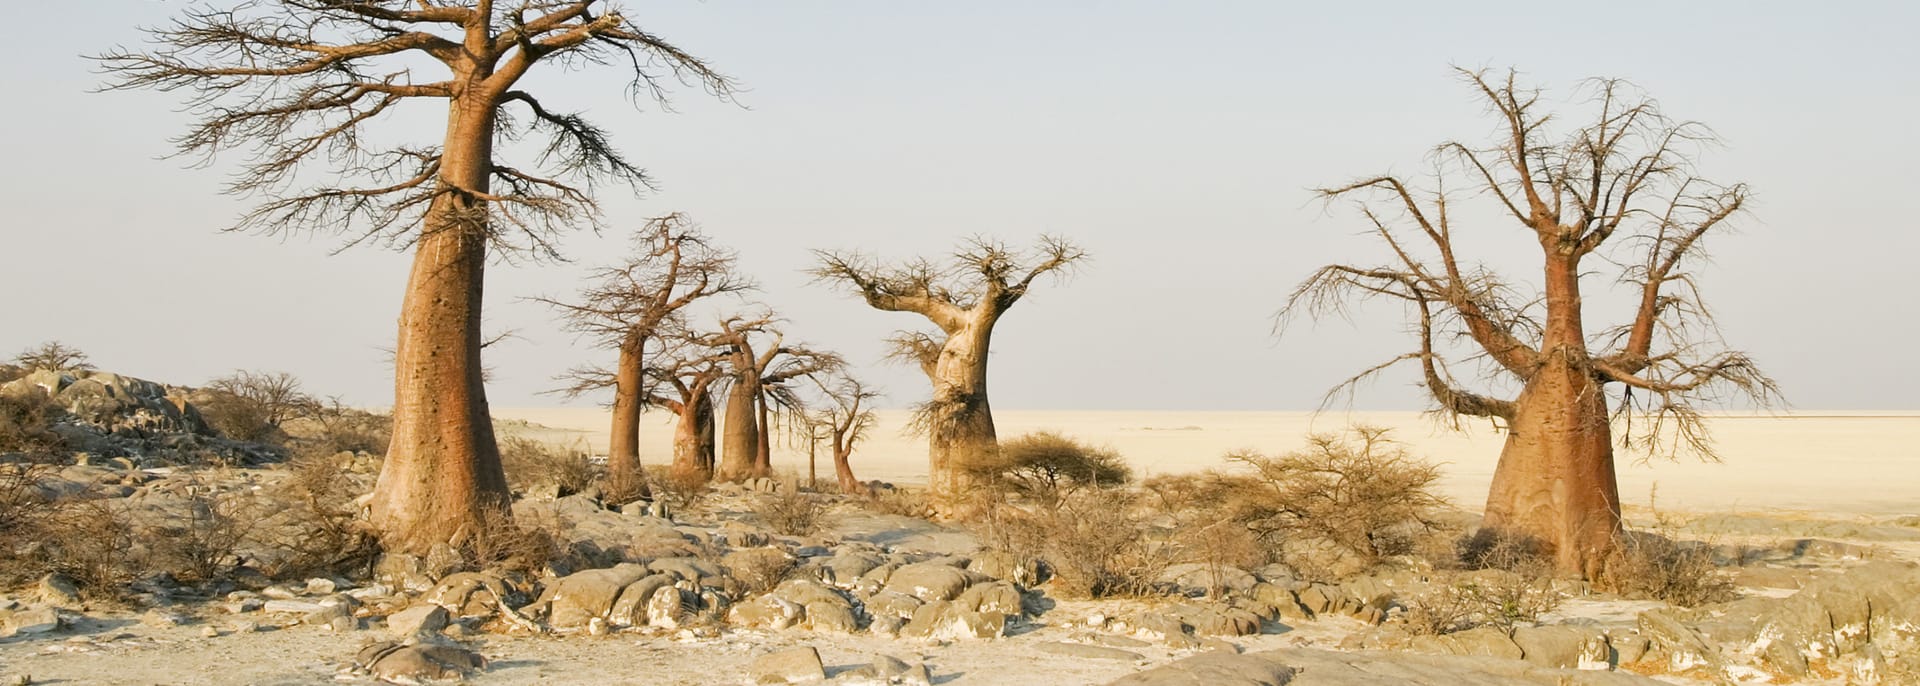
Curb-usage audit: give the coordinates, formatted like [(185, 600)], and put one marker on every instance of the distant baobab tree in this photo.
[(296, 83), (624, 308), (1620, 188), (843, 420), (963, 299)]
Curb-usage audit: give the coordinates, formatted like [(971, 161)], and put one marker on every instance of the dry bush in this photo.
[(26, 422), (1647, 565), (317, 529), (1205, 529), (255, 406), (201, 542), (334, 428), (53, 356), (85, 540), (1095, 544), (791, 512), (760, 569), (1363, 496), (512, 545), (1047, 466), (1500, 599), (681, 489), (898, 501), (530, 464)]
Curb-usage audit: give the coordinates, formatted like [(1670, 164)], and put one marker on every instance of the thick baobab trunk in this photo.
[(693, 437), (959, 422), (1555, 482), (763, 444), (623, 446), (442, 470), (739, 434)]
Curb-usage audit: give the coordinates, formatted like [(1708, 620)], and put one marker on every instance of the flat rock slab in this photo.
[(790, 666), (1090, 652), (1308, 667)]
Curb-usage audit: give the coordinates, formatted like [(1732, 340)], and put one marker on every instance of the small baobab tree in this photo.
[(298, 83), (624, 308), (782, 400), (682, 377), (963, 299), (843, 419), (1620, 188)]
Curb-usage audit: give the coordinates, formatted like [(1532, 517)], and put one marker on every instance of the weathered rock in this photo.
[(1482, 641), (943, 620), (413, 664), (161, 619), (416, 620), (830, 616), (1207, 578), (37, 620), (1006, 566), (688, 568), (1089, 652), (887, 669), (1570, 647), (845, 569), (1683, 647), (667, 607), (59, 591), (992, 596), (470, 594), (929, 581), (765, 612), (299, 607), (1165, 628), (791, 666), (1217, 620), (578, 598), (631, 607)]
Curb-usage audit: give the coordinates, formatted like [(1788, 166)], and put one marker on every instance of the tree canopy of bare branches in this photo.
[(963, 297), (1621, 187), (299, 85)]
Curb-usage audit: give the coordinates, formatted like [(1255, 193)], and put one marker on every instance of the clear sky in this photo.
[(1176, 141)]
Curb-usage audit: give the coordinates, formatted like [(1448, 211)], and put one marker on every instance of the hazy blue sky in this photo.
[(1174, 140)]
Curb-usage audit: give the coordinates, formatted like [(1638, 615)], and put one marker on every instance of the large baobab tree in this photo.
[(297, 83), (740, 425), (1619, 188), (673, 265), (963, 299)]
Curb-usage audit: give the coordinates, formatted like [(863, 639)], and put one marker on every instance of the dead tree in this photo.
[(1620, 188), (296, 84), (673, 265), (844, 419), (963, 299)]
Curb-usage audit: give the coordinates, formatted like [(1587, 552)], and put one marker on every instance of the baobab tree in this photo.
[(963, 299), (740, 425), (681, 378), (297, 84), (673, 266), (781, 370), (1620, 188), (843, 420)]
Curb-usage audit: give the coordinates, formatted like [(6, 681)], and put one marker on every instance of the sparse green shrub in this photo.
[(26, 424), (53, 356), (1364, 497), (1047, 466), (1647, 565), (531, 464), (791, 512)]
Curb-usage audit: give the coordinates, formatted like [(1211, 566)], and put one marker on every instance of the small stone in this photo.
[(318, 586), (161, 619), (301, 607), (39, 620), (20, 680), (279, 592), (59, 591), (791, 666), (245, 626), (209, 632), (243, 606)]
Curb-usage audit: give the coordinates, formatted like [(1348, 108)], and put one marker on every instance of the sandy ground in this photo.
[(1856, 463)]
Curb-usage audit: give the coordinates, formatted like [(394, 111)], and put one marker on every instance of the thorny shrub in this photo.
[(791, 512), (26, 422), (1046, 466), (200, 541), (516, 545), (85, 540), (1496, 598), (255, 406), (317, 529), (530, 464), (1204, 529), (1364, 496), (335, 428), (1648, 565), (1095, 544), (897, 501), (759, 570), (681, 489)]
